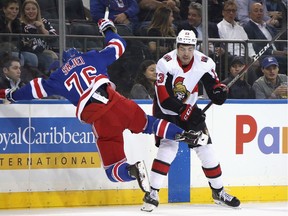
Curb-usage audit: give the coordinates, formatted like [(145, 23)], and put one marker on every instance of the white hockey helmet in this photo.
[(186, 37)]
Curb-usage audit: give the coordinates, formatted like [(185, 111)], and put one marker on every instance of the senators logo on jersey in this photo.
[(180, 90)]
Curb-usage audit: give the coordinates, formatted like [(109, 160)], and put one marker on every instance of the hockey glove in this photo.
[(9, 94), (193, 114), (220, 94), (185, 112), (104, 25)]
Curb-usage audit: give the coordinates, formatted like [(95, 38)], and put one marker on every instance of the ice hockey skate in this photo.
[(151, 201), (225, 199), (138, 170), (192, 138)]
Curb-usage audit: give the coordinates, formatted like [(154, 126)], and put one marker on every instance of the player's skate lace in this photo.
[(138, 171), (151, 201), (190, 137), (223, 198)]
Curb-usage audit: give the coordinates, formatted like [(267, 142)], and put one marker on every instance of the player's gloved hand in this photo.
[(220, 94), (193, 114), (9, 94), (105, 24), (186, 112)]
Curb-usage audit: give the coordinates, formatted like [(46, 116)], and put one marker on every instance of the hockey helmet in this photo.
[(70, 53), (186, 37)]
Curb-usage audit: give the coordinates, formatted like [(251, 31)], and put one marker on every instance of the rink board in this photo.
[(48, 158)]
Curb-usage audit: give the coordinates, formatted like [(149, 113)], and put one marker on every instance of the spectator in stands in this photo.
[(33, 23), (144, 81), (10, 23), (256, 28), (120, 11), (161, 26), (271, 85), (10, 76), (240, 89), (148, 8), (278, 11), (194, 23), (214, 9), (229, 29), (244, 8)]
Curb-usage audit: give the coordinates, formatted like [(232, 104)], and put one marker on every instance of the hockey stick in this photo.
[(245, 69), (106, 15)]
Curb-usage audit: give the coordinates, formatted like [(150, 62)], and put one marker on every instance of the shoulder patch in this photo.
[(167, 58), (204, 58)]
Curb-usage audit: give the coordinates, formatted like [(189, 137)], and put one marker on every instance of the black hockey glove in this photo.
[(105, 24), (220, 94), (193, 114)]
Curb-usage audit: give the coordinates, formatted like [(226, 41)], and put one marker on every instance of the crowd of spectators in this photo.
[(154, 19)]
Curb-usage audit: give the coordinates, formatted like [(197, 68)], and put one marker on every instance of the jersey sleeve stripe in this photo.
[(119, 47), (162, 93), (37, 88)]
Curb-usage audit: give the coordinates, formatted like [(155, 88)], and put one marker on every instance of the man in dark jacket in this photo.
[(240, 89)]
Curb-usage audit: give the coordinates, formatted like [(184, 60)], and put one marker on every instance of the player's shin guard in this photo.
[(162, 128)]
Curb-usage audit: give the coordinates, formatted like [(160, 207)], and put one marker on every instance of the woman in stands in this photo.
[(161, 26), (33, 23), (10, 23)]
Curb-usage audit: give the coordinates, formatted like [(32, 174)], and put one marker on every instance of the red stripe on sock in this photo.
[(212, 172), (115, 172), (160, 167)]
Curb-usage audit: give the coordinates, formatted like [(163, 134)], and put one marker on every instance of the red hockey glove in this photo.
[(105, 24), (220, 94), (185, 112), (193, 114)]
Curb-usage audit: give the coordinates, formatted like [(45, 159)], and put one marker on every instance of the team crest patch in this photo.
[(167, 58), (204, 58)]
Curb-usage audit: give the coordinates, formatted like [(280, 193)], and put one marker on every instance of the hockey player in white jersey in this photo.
[(178, 75)]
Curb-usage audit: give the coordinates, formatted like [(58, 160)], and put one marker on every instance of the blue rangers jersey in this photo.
[(78, 78)]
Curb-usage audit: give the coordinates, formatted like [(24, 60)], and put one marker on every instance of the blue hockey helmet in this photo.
[(70, 53)]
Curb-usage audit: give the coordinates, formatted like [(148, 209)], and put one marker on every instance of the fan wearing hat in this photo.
[(240, 89), (271, 85)]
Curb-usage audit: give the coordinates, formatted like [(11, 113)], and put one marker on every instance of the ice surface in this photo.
[(247, 209)]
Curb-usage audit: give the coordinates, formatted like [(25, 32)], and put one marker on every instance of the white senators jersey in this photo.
[(174, 80)]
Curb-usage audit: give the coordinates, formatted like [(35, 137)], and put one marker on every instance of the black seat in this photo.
[(55, 44), (49, 9), (123, 30), (85, 28), (74, 9)]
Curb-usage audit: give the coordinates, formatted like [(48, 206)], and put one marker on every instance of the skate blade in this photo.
[(222, 204), (145, 184), (148, 207)]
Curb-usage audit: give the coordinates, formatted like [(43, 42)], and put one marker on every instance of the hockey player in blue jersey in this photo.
[(83, 80)]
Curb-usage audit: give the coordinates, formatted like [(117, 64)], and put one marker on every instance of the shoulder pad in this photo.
[(167, 58), (204, 58)]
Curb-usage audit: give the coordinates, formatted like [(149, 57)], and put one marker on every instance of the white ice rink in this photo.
[(247, 209)]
